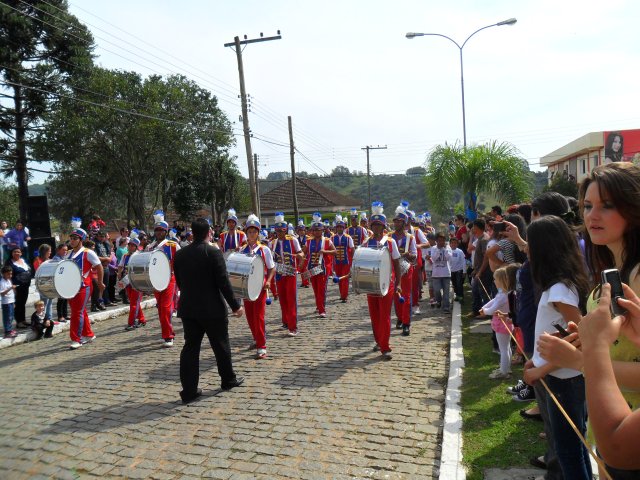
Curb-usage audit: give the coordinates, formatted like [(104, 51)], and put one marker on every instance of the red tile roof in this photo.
[(311, 195)]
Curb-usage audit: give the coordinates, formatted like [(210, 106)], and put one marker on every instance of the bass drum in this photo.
[(246, 274), (58, 279), (371, 271), (149, 271)]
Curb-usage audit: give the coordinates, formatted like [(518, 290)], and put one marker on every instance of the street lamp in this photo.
[(510, 21)]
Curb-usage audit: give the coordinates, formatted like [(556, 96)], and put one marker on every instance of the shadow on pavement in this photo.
[(114, 416), (325, 373)]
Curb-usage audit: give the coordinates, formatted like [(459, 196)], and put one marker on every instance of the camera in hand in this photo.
[(612, 277)]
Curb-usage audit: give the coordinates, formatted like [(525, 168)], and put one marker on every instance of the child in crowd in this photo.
[(440, 256), (41, 322), (458, 264), (505, 281), (428, 267), (7, 291)]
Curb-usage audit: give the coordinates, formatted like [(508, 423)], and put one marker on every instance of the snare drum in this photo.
[(286, 270), (312, 272), (371, 271), (58, 279), (149, 271), (246, 274)]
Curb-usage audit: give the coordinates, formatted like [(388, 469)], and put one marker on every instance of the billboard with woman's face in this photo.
[(622, 146)]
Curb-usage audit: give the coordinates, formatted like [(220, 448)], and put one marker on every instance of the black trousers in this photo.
[(217, 330), (457, 280), (42, 330), (62, 308), (22, 294)]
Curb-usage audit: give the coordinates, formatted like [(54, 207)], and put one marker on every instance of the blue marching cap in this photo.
[(253, 222), (79, 232), (134, 241), (161, 226), (377, 215), (280, 222)]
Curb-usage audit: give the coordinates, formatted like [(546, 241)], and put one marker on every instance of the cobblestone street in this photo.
[(322, 405)]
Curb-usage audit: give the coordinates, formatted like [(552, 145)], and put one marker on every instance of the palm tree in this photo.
[(493, 168)]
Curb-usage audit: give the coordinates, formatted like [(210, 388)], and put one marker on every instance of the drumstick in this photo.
[(268, 300), (337, 279)]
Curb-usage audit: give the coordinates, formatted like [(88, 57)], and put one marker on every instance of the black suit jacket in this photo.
[(201, 275)]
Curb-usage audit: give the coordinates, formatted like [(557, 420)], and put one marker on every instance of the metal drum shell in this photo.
[(246, 275), (371, 271), (141, 276), (52, 282)]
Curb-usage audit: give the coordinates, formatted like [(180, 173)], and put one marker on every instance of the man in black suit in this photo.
[(201, 275)]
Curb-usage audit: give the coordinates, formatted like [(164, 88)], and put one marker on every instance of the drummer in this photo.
[(80, 327), (317, 247), (301, 231), (165, 300), (407, 247), (364, 223), (287, 254), (232, 238), (255, 309), (380, 307), (358, 233), (421, 243), (344, 256), (136, 316)]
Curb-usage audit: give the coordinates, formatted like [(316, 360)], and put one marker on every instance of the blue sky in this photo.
[(348, 76)]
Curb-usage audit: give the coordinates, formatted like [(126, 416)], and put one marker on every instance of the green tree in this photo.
[(42, 49), (563, 185), (137, 139), (494, 168), (9, 203)]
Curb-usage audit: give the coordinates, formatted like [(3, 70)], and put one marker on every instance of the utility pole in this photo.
[(255, 168), (292, 151), (367, 148), (245, 114)]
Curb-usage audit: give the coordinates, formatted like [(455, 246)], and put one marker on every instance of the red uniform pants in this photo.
[(319, 284), (403, 310), (380, 313), (164, 302), (135, 311), (288, 301), (80, 325), (255, 318), (341, 270)]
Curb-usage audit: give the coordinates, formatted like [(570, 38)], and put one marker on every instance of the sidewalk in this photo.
[(27, 335)]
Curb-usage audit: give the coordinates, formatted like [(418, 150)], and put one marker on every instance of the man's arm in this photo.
[(222, 279)]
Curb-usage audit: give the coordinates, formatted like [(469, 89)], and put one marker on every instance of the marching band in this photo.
[(384, 263)]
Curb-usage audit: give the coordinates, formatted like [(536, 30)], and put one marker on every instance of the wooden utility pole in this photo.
[(292, 151), (367, 148), (245, 114), (255, 168)]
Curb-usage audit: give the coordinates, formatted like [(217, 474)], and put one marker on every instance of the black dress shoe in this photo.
[(190, 399), (236, 383)]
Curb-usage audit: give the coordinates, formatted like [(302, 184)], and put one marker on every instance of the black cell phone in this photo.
[(561, 329), (612, 277), (499, 226)]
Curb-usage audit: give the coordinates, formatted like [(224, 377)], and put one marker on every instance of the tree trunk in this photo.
[(21, 156)]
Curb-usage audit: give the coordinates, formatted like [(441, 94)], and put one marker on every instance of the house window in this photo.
[(595, 159), (584, 166)]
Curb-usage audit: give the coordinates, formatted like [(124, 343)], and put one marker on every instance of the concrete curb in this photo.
[(451, 457), (29, 335)]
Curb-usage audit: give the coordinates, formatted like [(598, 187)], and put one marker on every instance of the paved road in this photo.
[(323, 405)]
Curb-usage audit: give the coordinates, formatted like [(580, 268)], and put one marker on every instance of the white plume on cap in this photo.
[(317, 218), (76, 222), (134, 234), (253, 218), (338, 218), (158, 216), (377, 208), (279, 217), (354, 212)]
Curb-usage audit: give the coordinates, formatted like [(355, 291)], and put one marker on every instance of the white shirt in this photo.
[(10, 296), (268, 258), (391, 244), (548, 315), (440, 258), (458, 261)]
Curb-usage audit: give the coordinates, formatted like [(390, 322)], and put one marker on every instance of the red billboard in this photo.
[(622, 146)]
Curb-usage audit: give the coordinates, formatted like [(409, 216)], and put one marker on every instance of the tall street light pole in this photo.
[(253, 179), (410, 35)]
